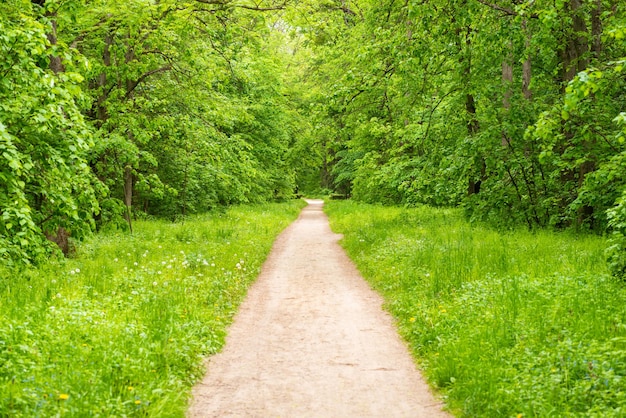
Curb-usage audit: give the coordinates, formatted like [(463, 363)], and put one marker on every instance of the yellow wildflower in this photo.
[(137, 402), (64, 396)]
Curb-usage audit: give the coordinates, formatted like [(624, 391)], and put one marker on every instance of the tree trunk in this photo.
[(527, 65), (507, 82), (128, 195), (55, 62), (473, 186), (574, 54), (596, 30), (102, 112)]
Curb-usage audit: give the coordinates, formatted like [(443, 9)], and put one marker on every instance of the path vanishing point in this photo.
[(311, 340)]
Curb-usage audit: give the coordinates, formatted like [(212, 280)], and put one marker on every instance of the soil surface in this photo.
[(311, 340)]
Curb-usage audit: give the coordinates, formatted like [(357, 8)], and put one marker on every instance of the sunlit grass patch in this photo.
[(121, 330), (504, 323)]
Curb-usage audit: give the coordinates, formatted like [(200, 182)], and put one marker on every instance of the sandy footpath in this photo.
[(311, 340)]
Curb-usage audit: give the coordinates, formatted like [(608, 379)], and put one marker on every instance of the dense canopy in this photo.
[(112, 110)]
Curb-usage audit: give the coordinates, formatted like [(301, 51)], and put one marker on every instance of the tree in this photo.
[(45, 181)]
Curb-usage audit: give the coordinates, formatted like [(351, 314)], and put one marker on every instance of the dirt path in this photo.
[(311, 340)]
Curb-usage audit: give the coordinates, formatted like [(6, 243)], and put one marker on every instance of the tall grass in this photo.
[(505, 324), (121, 330)]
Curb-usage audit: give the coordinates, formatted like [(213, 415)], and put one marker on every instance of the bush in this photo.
[(616, 252)]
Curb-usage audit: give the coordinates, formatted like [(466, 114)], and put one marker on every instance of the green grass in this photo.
[(121, 330), (502, 323)]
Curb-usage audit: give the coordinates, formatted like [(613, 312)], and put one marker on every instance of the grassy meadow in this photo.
[(122, 328), (504, 324)]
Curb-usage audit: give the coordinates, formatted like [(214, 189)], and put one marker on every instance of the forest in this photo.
[(117, 112)]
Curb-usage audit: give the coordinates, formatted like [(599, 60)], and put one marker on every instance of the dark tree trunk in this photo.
[(574, 54), (128, 195), (527, 65)]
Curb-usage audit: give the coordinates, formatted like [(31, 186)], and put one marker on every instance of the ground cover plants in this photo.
[(505, 324), (121, 329)]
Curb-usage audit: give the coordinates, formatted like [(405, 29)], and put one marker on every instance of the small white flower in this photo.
[(72, 272), (77, 270), (159, 272), (115, 259), (135, 263), (154, 283)]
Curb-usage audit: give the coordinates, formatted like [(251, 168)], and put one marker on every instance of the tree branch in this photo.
[(506, 11), (133, 85), (255, 7)]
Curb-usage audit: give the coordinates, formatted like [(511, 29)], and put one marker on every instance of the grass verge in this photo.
[(505, 324), (122, 329)]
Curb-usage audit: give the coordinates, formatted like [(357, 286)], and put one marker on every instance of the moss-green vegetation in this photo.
[(121, 329), (504, 323)]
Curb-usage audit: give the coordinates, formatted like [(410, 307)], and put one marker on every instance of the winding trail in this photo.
[(311, 340)]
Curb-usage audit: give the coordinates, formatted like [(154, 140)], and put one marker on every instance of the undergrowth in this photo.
[(504, 324), (121, 330)]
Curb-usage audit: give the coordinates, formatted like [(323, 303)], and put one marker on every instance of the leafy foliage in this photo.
[(114, 110), (44, 179)]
